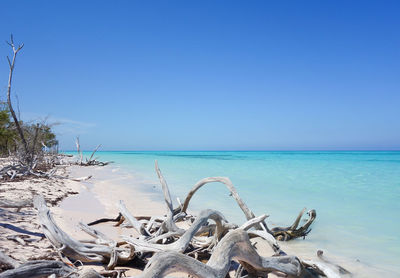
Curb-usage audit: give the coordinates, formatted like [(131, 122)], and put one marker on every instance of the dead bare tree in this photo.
[(11, 62)]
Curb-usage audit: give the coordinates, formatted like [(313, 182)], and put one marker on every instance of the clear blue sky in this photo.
[(209, 75)]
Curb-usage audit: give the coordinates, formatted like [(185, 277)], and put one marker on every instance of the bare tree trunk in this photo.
[(12, 65), (34, 144)]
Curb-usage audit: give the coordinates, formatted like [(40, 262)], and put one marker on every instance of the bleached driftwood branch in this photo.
[(247, 212), (84, 252), (6, 262), (234, 246), (90, 161), (40, 269), (183, 242), (168, 225), (280, 233)]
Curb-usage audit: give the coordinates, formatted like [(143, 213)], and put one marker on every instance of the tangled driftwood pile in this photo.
[(205, 246)]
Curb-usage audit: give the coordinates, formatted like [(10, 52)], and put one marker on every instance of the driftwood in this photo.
[(16, 171), (234, 246), (73, 249), (247, 212), (139, 227), (91, 161), (43, 268), (164, 246), (6, 262), (280, 233), (4, 203), (40, 269), (328, 268), (168, 225), (183, 242), (293, 231)]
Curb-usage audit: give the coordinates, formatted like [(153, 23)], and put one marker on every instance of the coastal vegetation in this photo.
[(10, 141), (32, 146), (26, 142)]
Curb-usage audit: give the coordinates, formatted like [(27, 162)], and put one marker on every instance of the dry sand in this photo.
[(20, 233)]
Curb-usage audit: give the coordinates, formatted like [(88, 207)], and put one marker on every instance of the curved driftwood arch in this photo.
[(247, 212)]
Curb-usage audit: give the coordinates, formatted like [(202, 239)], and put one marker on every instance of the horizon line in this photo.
[(293, 150)]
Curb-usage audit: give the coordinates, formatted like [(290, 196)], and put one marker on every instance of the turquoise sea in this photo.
[(356, 193)]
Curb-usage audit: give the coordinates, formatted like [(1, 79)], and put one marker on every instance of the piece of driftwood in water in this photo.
[(76, 250), (287, 233), (233, 246), (40, 269)]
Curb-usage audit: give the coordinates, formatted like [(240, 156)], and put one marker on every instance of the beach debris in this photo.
[(291, 232), (280, 233), (39, 269), (76, 250), (200, 246), (46, 168), (91, 161), (6, 262)]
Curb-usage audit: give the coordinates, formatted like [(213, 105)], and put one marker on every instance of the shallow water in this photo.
[(356, 194)]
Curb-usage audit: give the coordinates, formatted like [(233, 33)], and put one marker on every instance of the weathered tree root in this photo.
[(84, 252), (40, 269), (43, 268), (293, 232), (183, 242), (6, 262), (234, 246), (280, 233)]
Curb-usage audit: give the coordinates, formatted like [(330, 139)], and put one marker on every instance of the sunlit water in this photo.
[(356, 194)]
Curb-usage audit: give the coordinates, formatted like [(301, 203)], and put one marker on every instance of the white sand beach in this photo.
[(98, 198)]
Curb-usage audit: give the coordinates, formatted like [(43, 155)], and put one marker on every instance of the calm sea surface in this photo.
[(356, 194)]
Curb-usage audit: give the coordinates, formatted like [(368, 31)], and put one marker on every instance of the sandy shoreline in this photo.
[(20, 232), (98, 198)]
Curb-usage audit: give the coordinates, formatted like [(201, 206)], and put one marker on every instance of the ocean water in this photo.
[(356, 194)]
